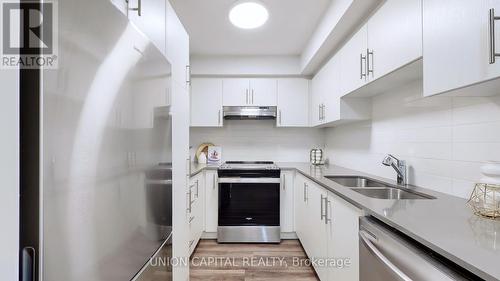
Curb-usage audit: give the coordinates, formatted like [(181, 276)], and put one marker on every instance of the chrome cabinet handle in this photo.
[(493, 53), (188, 74), (197, 189), (252, 96), (191, 219), (368, 70), (323, 111), (191, 243), (372, 248), (218, 116), (319, 112), (280, 116), (247, 96), (138, 8), (328, 219), (361, 66), (304, 192), (323, 214), (190, 200)]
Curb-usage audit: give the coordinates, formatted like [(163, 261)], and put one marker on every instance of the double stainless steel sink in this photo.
[(377, 189)]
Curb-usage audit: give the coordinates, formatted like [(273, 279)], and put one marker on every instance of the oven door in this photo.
[(249, 210)]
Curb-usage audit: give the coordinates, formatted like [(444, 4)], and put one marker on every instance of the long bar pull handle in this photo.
[(382, 258), (252, 95), (218, 116), (280, 116), (368, 69), (319, 112), (247, 96), (188, 74), (322, 207), (361, 66), (305, 192), (493, 53), (197, 189), (328, 218), (28, 264)]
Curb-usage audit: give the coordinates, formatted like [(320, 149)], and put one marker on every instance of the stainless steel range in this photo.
[(249, 202)]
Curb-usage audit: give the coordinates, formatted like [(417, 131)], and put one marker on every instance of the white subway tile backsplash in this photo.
[(444, 139)]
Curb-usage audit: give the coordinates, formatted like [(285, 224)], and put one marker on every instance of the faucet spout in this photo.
[(399, 166)]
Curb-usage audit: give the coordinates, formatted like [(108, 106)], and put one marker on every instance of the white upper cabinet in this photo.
[(249, 92), (263, 92), (293, 102), (151, 19), (457, 46), (353, 61), (394, 36), (177, 48), (206, 102), (236, 92)]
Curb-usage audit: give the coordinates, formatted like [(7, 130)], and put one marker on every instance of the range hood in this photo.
[(250, 112)]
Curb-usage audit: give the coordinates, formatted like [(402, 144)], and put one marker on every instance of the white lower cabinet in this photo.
[(196, 209), (211, 201), (327, 227), (287, 201), (343, 227)]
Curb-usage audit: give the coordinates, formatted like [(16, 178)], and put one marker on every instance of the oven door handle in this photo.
[(249, 180)]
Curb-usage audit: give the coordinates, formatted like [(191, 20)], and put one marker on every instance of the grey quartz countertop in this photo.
[(445, 224)]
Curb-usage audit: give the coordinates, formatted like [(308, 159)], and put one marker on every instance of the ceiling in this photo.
[(290, 25)]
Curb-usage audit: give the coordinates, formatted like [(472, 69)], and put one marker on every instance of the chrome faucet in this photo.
[(399, 166)]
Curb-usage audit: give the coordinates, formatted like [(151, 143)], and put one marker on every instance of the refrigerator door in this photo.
[(104, 123)]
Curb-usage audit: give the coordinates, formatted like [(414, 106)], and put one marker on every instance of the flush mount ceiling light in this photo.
[(248, 14)]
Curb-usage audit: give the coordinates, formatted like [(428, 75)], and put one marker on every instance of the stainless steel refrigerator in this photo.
[(96, 152)]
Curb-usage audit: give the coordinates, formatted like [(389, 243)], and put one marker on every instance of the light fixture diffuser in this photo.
[(248, 14)]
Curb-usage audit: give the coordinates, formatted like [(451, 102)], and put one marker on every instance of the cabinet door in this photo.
[(206, 102), (318, 228), (263, 92), (394, 36), (456, 44), (300, 208), (317, 88), (342, 238), (353, 66), (293, 103), (151, 21), (333, 91), (177, 48), (287, 202), (236, 92), (211, 201)]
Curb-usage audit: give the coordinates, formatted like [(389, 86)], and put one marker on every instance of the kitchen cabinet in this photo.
[(206, 102), (327, 227), (287, 201), (457, 46), (263, 92), (196, 209), (150, 19), (302, 210), (342, 236), (249, 92), (235, 92), (394, 37), (178, 48), (211, 201), (293, 102), (353, 61)]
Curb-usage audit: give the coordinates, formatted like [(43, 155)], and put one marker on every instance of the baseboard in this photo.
[(284, 235)]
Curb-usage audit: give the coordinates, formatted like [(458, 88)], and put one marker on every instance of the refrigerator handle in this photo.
[(28, 264)]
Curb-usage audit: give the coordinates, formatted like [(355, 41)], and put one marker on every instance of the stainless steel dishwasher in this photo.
[(387, 255)]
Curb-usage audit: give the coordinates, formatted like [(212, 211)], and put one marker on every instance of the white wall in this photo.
[(9, 173), (259, 140), (245, 65), (445, 139)]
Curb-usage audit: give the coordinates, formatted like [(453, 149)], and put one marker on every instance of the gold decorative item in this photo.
[(485, 200)]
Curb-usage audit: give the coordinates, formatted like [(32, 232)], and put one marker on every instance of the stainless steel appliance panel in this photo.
[(386, 255), (100, 135)]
